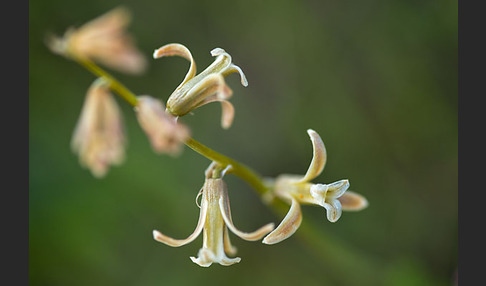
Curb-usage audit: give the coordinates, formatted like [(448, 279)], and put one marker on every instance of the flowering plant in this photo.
[(99, 138)]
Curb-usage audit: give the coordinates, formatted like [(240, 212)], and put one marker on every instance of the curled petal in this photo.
[(178, 50), (180, 242), (226, 212), (288, 226), (234, 68), (228, 111), (334, 209), (352, 201), (318, 159)]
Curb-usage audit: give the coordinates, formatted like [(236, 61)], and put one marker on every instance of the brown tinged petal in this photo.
[(99, 138), (288, 226), (166, 135), (178, 50), (352, 201)]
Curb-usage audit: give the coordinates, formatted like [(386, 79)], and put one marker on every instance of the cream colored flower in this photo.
[(298, 190), (105, 40), (208, 86), (99, 138), (214, 221), (166, 135)]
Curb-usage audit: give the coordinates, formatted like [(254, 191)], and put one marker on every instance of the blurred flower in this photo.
[(298, 190), (214, 221), (166, 135), (99, 137), (208, 86), (103, 39)]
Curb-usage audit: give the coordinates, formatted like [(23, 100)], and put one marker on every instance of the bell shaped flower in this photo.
[(165, 134), (214, 222), (104, 40), (99, 137), (208, 86), (299, 190)]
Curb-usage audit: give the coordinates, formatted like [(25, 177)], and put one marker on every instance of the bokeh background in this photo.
[(376, 79)]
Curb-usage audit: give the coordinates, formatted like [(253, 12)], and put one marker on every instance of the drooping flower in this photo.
[(165, 134), (104, 40), (297, 190), (99, 138), (208, 86), (214, 221)]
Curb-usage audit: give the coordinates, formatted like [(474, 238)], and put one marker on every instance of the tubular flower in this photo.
[(208, 86), (99, 138), (166, 135), (103, 39), (214, 221), (298, 190)]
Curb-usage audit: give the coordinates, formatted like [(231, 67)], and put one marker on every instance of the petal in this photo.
[(180, 242), (206, 257), (226, 212), (228, 247), (178, 50), (318, 159), (334, 210), (227, 112), (211, 86), (234, 68), (287, 227), (352, 201)]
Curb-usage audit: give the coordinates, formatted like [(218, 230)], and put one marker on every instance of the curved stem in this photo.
[(115, 85), (238, 169)]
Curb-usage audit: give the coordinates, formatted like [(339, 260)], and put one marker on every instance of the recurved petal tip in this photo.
[(287, 227), (319, 157)]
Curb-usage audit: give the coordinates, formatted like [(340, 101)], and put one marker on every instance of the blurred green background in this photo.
[(376, 79)]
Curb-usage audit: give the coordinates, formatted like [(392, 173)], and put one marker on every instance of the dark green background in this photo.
[(376, 79)]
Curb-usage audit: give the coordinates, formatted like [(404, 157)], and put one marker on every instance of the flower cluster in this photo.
[(99, 138)]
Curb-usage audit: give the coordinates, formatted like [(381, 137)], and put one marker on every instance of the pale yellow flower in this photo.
[(297, 190), (99, 138), (104, 40), (165, 134), (208, 86), (214, 221)]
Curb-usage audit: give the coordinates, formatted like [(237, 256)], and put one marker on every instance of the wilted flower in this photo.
[(103, 39), (99, 137), (214, 221), (298, 190), (208, 86), (166, 135)]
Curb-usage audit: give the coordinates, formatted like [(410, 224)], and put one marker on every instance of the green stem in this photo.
[(115, 85), (238, 169), (334, 253)]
